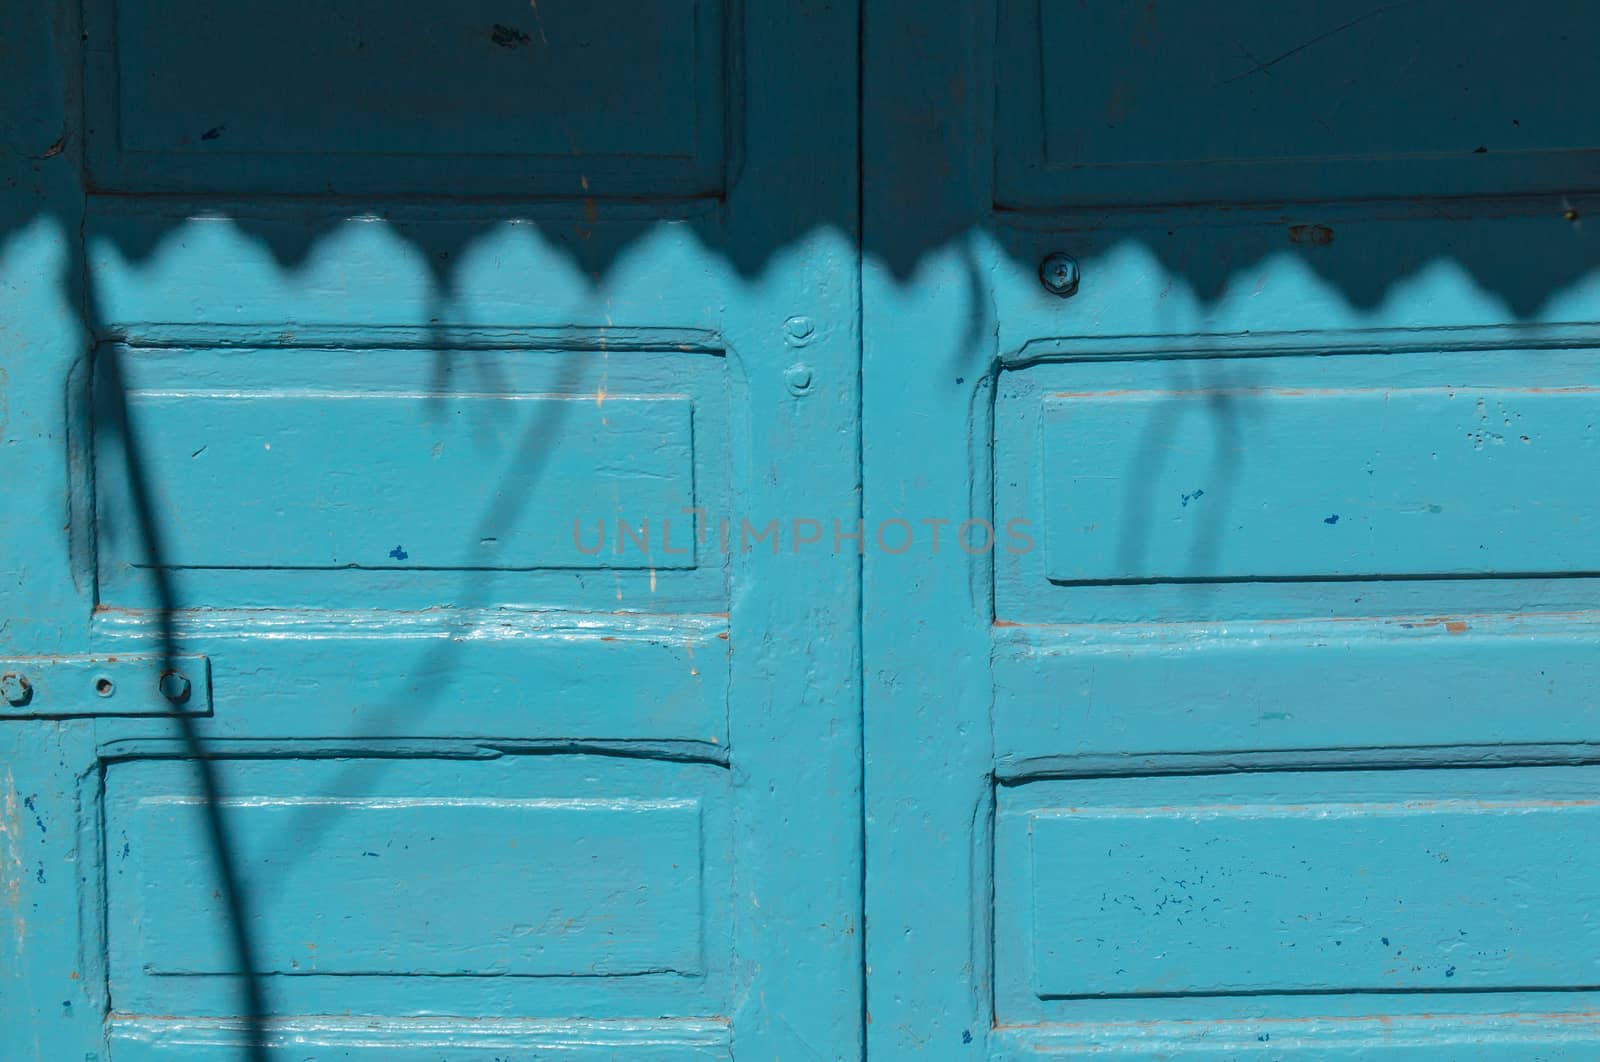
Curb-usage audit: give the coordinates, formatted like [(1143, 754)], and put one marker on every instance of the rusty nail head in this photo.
[(175, 686), (1059, 274), (16, 689)]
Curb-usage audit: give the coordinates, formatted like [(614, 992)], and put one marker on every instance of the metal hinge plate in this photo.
[(44, 687)]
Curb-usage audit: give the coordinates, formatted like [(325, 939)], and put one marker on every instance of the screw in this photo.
[(175, 686), (799, 330), (1059, 274), (16, 689), (798, 377)]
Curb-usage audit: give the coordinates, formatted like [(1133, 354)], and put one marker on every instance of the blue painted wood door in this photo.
[(399, 665), (436, 621), (1254, 715)]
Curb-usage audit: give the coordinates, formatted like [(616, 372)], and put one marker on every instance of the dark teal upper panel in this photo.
[(1176, 102), (477, 97)]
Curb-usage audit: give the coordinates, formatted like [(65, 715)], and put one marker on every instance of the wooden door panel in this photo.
[(1225, 320), (366, 323), (484, 98), (484, 886), (1177, 103)]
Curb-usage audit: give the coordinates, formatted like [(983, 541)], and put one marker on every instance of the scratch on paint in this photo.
[(1262, 68), (605, 373), (11, 865)]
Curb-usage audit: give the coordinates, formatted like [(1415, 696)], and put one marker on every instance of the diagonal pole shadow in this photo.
[(389, 720), (112, 417), (109, 394)]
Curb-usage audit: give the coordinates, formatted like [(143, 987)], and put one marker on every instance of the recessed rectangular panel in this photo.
[(371, 480), (1298, 483), (1292, 883), (1175, 102), (482, 96), (280, 476), (405, 869), (1243, 483)]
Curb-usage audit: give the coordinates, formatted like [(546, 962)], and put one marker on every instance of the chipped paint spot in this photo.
[(509, 36), (1314, 235), (12, 867)]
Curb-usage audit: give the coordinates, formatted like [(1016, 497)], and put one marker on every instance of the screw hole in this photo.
[(175, 686), (104, 687)]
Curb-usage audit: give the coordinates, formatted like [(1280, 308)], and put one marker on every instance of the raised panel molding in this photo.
[(484, 97), (1173, 102), (1262, 890), (1293, 483), (352, 477), (469, 886)]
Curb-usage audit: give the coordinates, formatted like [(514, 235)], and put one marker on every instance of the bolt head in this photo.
[(16, 689), (175, 686), (1059, 274)]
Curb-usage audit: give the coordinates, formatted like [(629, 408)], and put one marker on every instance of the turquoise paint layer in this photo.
[(1294, 648), (470, 270), (374, 305)]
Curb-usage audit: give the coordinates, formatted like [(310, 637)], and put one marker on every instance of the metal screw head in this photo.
[(16, 689), (1059, 274), (799, 330), (175, 686), (798, 377)]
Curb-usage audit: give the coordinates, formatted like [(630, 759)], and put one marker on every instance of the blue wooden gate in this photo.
[(710, 529), (1271, 326)]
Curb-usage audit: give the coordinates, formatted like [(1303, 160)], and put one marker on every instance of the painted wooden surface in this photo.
[(322, 328), (1286, 642), (486, 884), (1244, 101), (323, 332), (476, 98), (1335, 498), (1334, 883), (433, 455)]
